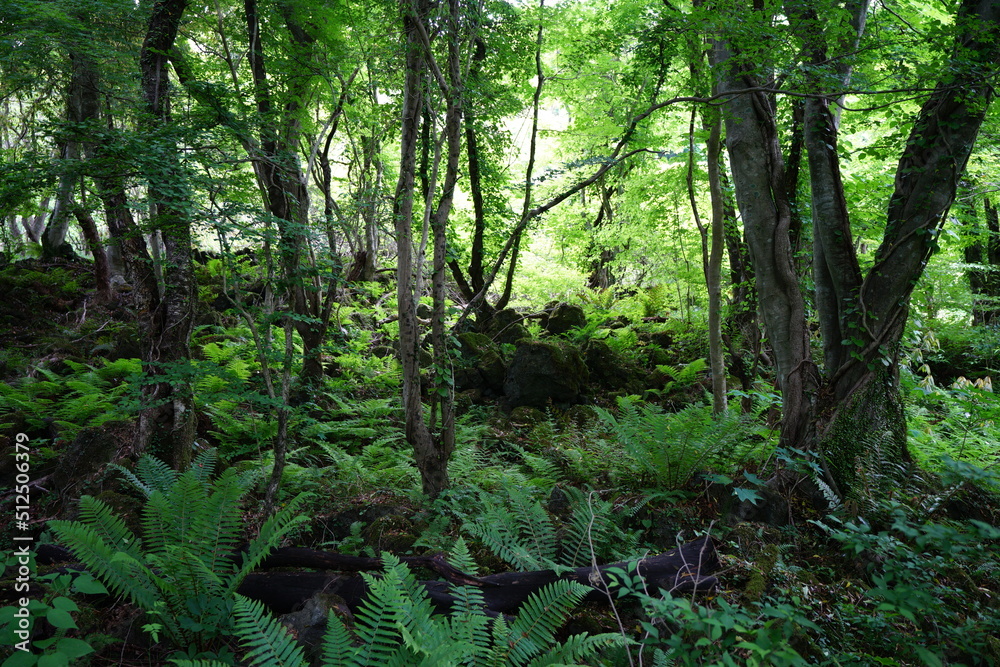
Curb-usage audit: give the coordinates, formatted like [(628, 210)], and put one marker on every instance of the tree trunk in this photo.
[(417, 434), (984, 277), (286, 197), (864, 386), (859, 422), (102, 271), (167, 421), (759, 180)]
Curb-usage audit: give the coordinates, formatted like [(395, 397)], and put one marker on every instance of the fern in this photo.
[(337, 647), (266, 643), (183, 570), (395, 626), (523, 534), (460, 558), (544, 612), (671, 447)]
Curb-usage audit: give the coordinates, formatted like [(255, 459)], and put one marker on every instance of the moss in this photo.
[(766, 561), (865, 444)]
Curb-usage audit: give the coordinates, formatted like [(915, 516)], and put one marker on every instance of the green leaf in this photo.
[(21, 659), (60, 618), (87, 585), (747, 494), (65, 604), (53, 660), (74, 648), (930, 659)]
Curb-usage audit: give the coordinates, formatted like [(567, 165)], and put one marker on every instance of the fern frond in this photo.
[(535, 524), (494, 531), (203, 465), (338, 650), (109, 527), (461, 558), (154, 475), (416, 611), (271, 533), (469, 626), (541, 616), (219, 526), (157, 529), (186, 501), (660, 659), (184, 577), (119, 570), (268, 643), (378, 619), (591, 523), (576, 650)]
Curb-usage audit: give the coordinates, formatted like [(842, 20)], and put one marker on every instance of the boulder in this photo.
[(544, 372), (480, 365), (609, 370), (506, 327), (564, 317)]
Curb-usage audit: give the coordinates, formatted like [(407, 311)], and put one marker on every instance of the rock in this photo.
[(308, 625), (481, 366), (544, 372), (525, 415), (564, 317), (90, 452), (604, 365), (506, 327)]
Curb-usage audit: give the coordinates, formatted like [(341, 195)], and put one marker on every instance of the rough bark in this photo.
[(759, 180), (984, 275), (102, 271), (927, 178), (417, 434), (859, 420), (167, 420), (283, 184)]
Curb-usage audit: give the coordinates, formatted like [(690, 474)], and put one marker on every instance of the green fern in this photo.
[(519, 530), (671, 447), (183, 570), (460, 558), (395, 626), (267, 645)]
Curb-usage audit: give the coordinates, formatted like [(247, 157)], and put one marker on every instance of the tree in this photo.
[(168, 418), (852, 413)]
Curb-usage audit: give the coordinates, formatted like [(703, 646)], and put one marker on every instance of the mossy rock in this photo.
[(610, 370), (308, 625), (506, 327), (525, 415), (545, 372), (564, 317), (482, 367), (90, 452), (390, 532)]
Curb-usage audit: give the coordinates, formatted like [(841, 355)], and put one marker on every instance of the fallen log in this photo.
[(687, 569)]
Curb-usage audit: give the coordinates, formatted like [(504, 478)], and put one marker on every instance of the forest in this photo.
[(499, 332)]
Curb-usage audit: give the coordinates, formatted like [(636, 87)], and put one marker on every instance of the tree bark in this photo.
[(984, 276), (859, 421), (167, 420), (417, 434), (759, 179)]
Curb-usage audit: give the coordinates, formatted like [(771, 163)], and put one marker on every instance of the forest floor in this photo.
[(913, 579)]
